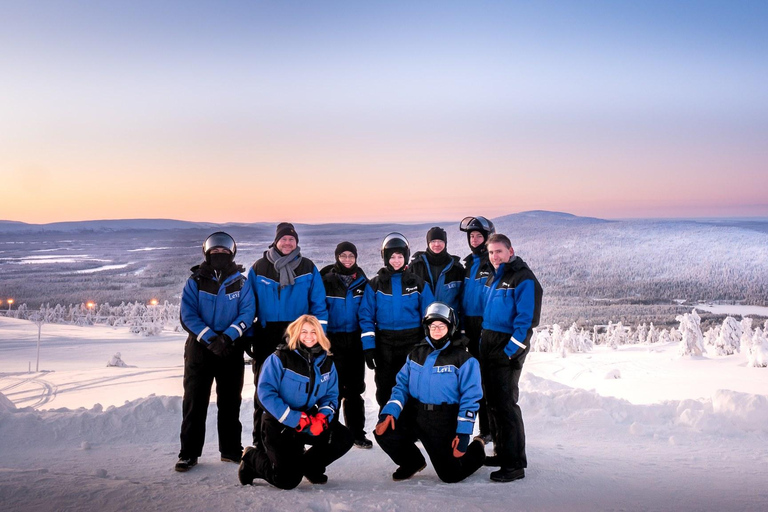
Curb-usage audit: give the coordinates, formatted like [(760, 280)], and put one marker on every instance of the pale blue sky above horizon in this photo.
[(382, 111)]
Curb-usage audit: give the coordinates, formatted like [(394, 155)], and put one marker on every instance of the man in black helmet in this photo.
[(217, 307), (477, 271)]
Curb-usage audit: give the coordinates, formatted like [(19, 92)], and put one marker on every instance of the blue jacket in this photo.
[(214, 303), (273, 304), (478, 270), (291, 382), (448, 375), (394, 301), (449, 283), (343, 302), (513, 304)]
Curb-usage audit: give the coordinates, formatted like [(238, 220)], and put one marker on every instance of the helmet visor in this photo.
[(394, 240), (219, 239), (439, 311), (475, 223)]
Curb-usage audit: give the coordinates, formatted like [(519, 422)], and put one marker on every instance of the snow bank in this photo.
[(5, 404)]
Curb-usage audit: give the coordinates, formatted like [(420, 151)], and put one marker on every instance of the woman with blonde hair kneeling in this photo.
[(298, 389)]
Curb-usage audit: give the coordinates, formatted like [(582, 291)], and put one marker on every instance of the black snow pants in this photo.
[(281, 459), (201, 368), (500, 385), (263, 343), (347, 350), (473, 326), (392, 348), (435, 427)]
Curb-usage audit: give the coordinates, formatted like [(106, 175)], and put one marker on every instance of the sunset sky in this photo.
[(381, 111)]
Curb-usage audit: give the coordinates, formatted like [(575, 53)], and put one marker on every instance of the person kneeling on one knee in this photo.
[(298, 388), (435, 401)]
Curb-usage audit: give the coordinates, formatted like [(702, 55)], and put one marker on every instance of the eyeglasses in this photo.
[(438, 326)]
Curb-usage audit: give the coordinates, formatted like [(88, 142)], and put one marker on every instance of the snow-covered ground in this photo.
[(636, 428)]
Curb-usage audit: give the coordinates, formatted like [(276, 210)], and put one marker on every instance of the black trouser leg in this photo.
[(347, 351), (229, 388), (198, 379), (326, 448), (437, 430), (473, 326), (500, 384), (265, 341), (400, 443), (278, 460)]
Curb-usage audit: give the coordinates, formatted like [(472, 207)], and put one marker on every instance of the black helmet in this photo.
[(395, 242), (443, 312), (219, 239), (480, 224)]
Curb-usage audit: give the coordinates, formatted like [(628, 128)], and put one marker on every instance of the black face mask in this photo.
[(220, 260)]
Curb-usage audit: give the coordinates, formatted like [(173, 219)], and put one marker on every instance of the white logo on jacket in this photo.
[(233, 296)]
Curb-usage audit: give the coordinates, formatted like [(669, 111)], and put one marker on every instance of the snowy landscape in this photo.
[(645, 390)]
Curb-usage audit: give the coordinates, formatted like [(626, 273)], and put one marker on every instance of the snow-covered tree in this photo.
[(652, 336), (542, 341), (691, 343), (728, 340), (642, 333), (664, 336), (758, 349)]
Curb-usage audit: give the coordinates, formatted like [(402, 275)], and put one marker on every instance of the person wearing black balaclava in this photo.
[(286, 285), (345, 284), (390, 314), (442, 271), (435, 402), (478, 270), (217, 306)]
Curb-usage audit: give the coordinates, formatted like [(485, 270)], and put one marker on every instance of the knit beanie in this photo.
[(437, 233), (345, 246), (283, 229)]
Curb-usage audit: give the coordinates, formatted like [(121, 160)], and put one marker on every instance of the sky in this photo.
[(381, 111)]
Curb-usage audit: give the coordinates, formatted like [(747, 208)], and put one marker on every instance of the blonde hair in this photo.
[(294, 330)]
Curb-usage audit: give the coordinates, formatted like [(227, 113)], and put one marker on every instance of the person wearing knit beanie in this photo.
[(345, 285), (442, 271), (285, 229)]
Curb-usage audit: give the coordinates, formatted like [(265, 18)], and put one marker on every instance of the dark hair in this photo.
[(498, 238)]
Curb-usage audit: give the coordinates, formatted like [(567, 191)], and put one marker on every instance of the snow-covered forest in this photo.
[(593, 271)]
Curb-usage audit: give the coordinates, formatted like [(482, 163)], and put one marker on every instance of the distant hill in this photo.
[(102, 225)]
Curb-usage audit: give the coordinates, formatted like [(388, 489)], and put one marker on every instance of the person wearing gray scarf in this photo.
[(286, 285)]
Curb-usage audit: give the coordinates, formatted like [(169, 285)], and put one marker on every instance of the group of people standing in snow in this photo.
[(446, 342)]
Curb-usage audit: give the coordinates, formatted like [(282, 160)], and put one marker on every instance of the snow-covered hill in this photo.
[(630, 429)]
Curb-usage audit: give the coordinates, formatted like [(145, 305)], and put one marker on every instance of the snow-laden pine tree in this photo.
[(746, 334), (541, 341), (691, 343), (652, 336), (728, 340), (758, 350), (642, 333), (557, 339), (664, 336)]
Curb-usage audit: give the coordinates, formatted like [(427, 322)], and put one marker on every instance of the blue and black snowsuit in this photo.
[(214, 302), (446, 283), (343, 302), (512, 310), (276, 307), (434, 400), (477, 271), (292, 382), (390, 318)]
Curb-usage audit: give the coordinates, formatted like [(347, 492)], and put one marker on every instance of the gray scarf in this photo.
[(285, 265)]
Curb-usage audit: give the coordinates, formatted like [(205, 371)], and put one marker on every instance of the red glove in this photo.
[(319, 424), (304, 422), (385, 423), (459, 445)]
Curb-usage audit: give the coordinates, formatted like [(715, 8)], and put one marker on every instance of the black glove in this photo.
[(370, 359), (219, 344)]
